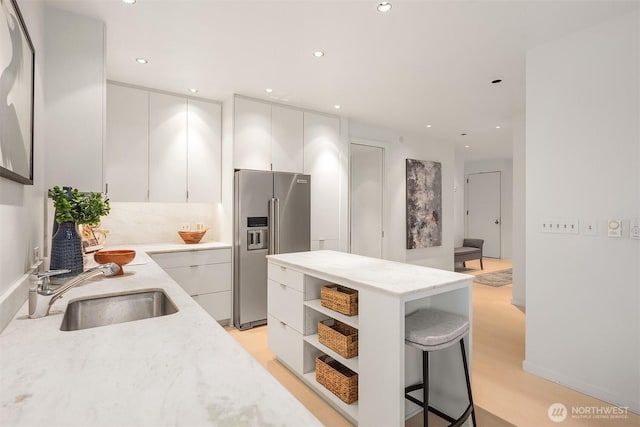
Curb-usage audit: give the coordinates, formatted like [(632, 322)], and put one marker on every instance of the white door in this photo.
[(366, 200), (483, 211)]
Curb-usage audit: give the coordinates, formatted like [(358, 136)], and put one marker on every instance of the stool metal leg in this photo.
[(425, 387), (466, 375)]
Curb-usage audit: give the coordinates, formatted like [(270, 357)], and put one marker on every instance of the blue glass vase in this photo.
[(66, 250)]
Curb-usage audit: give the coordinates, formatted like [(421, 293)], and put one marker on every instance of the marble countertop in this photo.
[(358, 271), (182, 369)]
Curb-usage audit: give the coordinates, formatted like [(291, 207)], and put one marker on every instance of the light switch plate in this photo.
[(614, 228)]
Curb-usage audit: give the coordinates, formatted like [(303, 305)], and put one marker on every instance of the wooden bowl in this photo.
[(120, 257), (191, 237)]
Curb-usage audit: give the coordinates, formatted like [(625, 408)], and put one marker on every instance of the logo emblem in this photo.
[(557, 412)]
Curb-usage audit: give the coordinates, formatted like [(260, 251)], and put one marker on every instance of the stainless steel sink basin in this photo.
[(106, 310)]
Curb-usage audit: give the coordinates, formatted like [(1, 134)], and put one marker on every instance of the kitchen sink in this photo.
[(123, 307)]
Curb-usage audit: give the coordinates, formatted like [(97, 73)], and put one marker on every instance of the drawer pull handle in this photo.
[(282, 323), (194, 265), (283, 285), (283, 268)]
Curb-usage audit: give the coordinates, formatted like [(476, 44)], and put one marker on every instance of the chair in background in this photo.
[(471, 249)]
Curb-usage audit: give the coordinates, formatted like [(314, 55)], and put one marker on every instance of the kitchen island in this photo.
[(182, 369), (387, 291)]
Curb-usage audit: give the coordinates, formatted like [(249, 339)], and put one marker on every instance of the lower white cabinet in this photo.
[(203, 274), (286, 343)]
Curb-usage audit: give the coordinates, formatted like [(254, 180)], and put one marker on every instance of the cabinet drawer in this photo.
[(217, 304), (202, 279), (189, 258), (292, 278), (286, 343), (285, 304)]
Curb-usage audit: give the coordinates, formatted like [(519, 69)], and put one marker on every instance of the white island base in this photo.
[(386, 292)]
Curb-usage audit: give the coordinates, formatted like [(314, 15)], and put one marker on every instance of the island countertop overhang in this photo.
[(391, 277)]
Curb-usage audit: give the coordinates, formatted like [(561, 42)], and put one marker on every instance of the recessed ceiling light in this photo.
[(496, 81), (141, 61), (498, 127), (467, 146), (318, 54), (428, 126), (268, 90), (337, 107), (129, 1), (384, 6), (193, 90)]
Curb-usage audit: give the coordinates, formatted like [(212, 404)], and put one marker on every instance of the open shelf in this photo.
[(349, 363), (317, 306), (351, 411)]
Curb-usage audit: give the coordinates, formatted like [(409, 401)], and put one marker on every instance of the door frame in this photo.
[(466, 206), (383, 198)]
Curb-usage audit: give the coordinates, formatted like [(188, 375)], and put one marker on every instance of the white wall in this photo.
[(22, 206), (398, 148), (518, 250), (505, 167), (582, 162), (458, 200)]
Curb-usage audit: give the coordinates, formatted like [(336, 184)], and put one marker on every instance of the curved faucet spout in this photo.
[(40, 301)]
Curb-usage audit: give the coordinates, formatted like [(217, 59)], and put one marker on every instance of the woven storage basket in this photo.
[(339, 337), (337, 378), (339, 298)]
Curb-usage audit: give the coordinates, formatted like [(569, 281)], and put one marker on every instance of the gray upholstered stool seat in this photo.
[(431, 330)]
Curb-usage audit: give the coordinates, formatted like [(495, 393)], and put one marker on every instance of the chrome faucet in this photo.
[(42, 297)]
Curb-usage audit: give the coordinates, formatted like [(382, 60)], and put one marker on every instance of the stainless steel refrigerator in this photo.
[(272, 213)]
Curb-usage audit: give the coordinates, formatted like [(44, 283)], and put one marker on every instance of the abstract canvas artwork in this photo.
[(424, 204), (16, 95)]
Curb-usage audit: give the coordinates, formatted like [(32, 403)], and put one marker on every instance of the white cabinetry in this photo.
[(126, 165), (203, 274), (167, 148), (204, 154), (267, 137), (322, 162), (162, 147), (252, 134), (286, 139), (73, 81)]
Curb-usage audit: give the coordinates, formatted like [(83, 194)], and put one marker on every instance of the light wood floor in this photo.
[(503, 392)]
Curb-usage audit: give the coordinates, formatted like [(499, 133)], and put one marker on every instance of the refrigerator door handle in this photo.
[(276, 226), (271, 227)]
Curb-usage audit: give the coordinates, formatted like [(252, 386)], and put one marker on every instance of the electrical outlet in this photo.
[(614, 228), (545, 226), (634, 229), (185, 227), (199, 226)]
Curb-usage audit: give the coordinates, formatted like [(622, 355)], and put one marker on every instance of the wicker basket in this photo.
[(339, 298), (337, 378), (339, 337)]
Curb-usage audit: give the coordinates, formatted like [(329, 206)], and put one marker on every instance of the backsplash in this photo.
[(140, 223)]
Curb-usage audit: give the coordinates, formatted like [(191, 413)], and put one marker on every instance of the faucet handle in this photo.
[(40, 280), (43, 274)]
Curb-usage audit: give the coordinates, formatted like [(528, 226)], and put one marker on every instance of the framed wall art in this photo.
[(17, 60), (424, 204)]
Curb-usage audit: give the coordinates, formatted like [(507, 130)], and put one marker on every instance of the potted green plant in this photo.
[(73, 208)]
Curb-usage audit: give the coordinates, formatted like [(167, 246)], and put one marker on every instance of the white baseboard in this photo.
[(579, 386)]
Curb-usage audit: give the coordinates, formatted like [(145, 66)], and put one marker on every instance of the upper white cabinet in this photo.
[(286, 139), (162, 147), (267, 137), (74, 91), (322, 162), (126, 166), (252, 134), (204, 154), (167, 148)]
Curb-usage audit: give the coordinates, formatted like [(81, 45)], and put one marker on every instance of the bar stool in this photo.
[(430, 330)]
